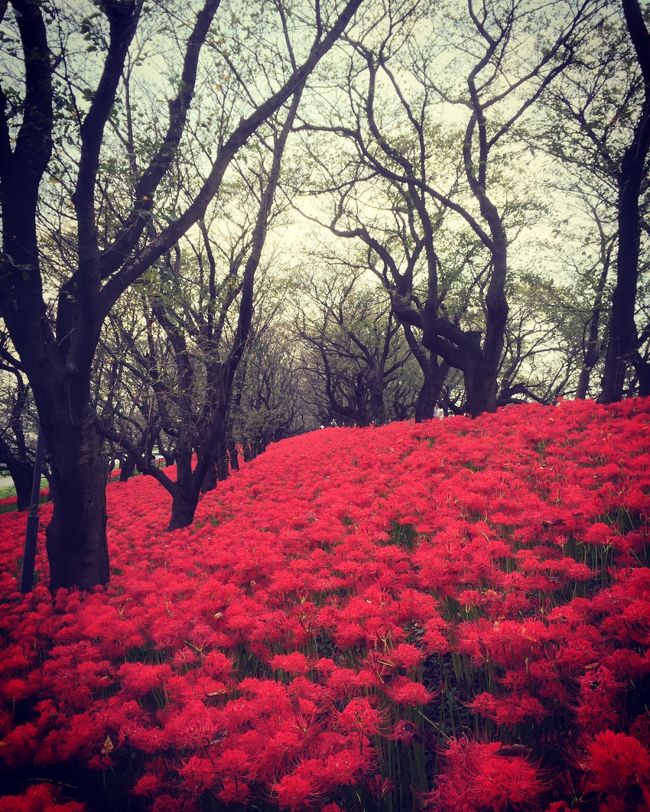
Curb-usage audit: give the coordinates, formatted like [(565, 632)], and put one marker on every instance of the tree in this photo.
[(624, 343), (543, 342), (57, 355), (268, 400), (193, 391), (354, 350), (389, 125), (16, 451), (588, 122), (128, 413)]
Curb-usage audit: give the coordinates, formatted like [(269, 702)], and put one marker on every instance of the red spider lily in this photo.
[(616, 762), (475, 776), (39, 798), (404, 691), (509, 710), (293, 792), (326, 625), (294, 663), (360, 716), (234, 791)]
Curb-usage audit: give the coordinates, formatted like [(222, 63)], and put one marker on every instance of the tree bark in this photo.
[(434, 378), (592, 350), (184, 504), (21, 472), (186, 490), (622, 349), (377, 406), (76, 536), (222, 460), (426, 400), (127, 469), (22, 475), (233, 455), (210, 479), (480, 391)]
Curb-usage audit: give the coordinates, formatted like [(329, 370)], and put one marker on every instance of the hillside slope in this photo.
[(451, 614)]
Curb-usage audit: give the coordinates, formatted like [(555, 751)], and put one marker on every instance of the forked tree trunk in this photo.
[(76, 536), (184, 503)]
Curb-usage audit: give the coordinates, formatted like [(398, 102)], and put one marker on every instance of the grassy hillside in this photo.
[(452, 615)]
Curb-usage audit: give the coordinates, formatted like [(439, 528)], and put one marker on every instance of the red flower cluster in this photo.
[(38, 798), (455, 611), (479, 776)]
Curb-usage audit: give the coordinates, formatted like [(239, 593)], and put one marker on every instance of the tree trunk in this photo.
[(480, 390), (217, 466), (583, 381), (593, 347), (480, 383), (377, 406), (210, 479), (482, 397), (127, 469), (184, 504), (622, 348), (426, 400), (21, 471), (22, 475), (482, 370), (233, 454), (622, 329), (434, 378), (110, 467), (222, 462), (185, 494), (76, 536), (643, 373)]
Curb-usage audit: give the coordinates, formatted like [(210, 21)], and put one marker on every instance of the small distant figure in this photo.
[(322, 426), (438, 413), (333, 423)]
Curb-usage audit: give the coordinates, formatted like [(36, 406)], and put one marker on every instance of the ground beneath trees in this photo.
[(452, 615)]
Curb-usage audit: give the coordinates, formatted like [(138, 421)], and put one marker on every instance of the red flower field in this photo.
[(452, 615)]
